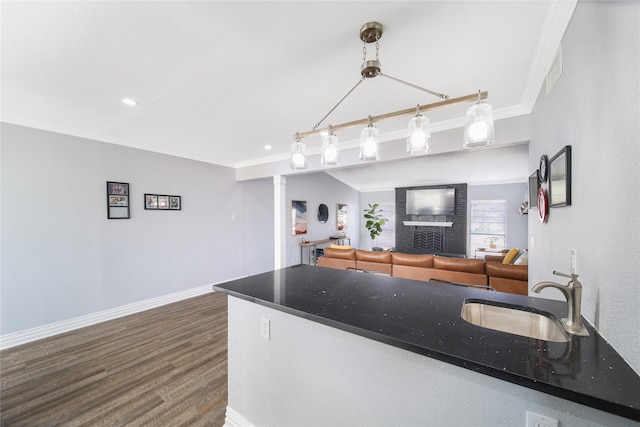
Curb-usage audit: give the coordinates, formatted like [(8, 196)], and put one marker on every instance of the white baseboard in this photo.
[(45, 331), (234, 419)]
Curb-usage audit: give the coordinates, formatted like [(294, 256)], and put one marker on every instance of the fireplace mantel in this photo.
[(428, 223)]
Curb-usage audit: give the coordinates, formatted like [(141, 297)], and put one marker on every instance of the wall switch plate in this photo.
[(537, 420), (265, 328), (573, 257)]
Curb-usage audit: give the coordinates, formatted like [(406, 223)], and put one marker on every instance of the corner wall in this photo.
[(595, 108), (317, 188)]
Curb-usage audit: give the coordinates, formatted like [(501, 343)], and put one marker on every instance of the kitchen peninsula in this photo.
[(349, 348)]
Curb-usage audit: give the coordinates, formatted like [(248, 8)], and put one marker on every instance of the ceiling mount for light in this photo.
[(417, 142)]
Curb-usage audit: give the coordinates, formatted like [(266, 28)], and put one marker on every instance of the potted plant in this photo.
[(375, 221)]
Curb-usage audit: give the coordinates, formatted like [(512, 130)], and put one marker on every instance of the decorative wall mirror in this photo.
[(323, 213)]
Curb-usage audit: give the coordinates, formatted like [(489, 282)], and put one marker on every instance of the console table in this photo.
[(481, 253), (311, 258)]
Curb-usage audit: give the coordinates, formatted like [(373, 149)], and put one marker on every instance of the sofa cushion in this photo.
[(373, 256), (508, 271), (523, 259), (511, 256), (467, 265), (412, 260), (340, 253)]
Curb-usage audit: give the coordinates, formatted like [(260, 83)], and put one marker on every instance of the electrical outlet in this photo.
[(573, 257), (537, 420), (265, 328)]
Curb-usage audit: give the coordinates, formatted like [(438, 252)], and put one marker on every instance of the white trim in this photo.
[(554, 26), (234, 419), (428, 224), (51, 329)]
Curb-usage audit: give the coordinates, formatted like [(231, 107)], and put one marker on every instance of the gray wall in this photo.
[(595, 108), (62, 257), (317, 188), (312, 374), (514, 194)]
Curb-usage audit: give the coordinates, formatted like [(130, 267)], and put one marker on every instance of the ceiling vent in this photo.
[(555, 72)]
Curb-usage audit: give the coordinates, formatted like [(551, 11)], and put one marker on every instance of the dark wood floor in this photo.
[(162, 367)]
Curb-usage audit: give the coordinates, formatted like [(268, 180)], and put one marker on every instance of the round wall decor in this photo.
[(543, 206), (543, 169)]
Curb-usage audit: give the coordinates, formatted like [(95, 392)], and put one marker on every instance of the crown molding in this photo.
[(554, 26)]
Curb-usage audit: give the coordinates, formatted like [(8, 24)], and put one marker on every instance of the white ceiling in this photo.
[(216, 81)]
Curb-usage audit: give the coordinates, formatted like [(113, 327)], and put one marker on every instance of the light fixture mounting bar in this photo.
[(439, 95), (474, 97)]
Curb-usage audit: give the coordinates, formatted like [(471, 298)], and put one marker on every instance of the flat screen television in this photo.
[(431, 201)]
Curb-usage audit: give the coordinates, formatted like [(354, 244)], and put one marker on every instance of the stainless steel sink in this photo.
[(517, 320)]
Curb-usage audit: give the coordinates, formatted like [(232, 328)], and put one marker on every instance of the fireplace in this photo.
[(432, 234)]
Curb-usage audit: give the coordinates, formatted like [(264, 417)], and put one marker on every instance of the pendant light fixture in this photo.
[(330, 151), (369, 142), (418, 135), (479, 130), (298, 158)]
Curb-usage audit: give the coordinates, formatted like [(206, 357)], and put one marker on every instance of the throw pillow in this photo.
[(340, 246), (513, 253), (523, 259)]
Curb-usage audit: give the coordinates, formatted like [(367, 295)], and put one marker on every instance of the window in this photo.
[(488, 225)]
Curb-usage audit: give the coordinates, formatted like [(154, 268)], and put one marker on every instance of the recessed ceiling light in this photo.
[(267, 147), (130, 102)]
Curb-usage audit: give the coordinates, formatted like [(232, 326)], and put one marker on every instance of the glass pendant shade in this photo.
[(418, 136), (330, 154), (369, 143), (479, 128), (298, 159)]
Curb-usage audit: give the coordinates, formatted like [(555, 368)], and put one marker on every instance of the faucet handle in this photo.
[(569, 276)]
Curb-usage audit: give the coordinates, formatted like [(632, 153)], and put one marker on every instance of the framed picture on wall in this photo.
[(298, 217), (534, 185), (560, 178), (117, 200), (341, 217), (175, 202), (151, 201), (163, 202)]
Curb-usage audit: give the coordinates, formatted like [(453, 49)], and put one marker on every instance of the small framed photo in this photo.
[(119, 188), (118, 200), (175, 203), (151, 201), (163, 202), (534, 185), (560, 178)]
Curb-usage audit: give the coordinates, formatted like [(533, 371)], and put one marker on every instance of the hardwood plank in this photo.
[(165, 366)]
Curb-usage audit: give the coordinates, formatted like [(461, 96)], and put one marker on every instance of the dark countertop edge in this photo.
[(583, 399)]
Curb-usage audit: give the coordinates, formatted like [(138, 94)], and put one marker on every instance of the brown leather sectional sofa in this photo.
[(490, 272)]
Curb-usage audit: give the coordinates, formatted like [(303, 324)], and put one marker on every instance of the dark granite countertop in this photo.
[(425, 318)]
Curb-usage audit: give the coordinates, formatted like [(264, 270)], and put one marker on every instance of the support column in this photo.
[(279, 221)]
